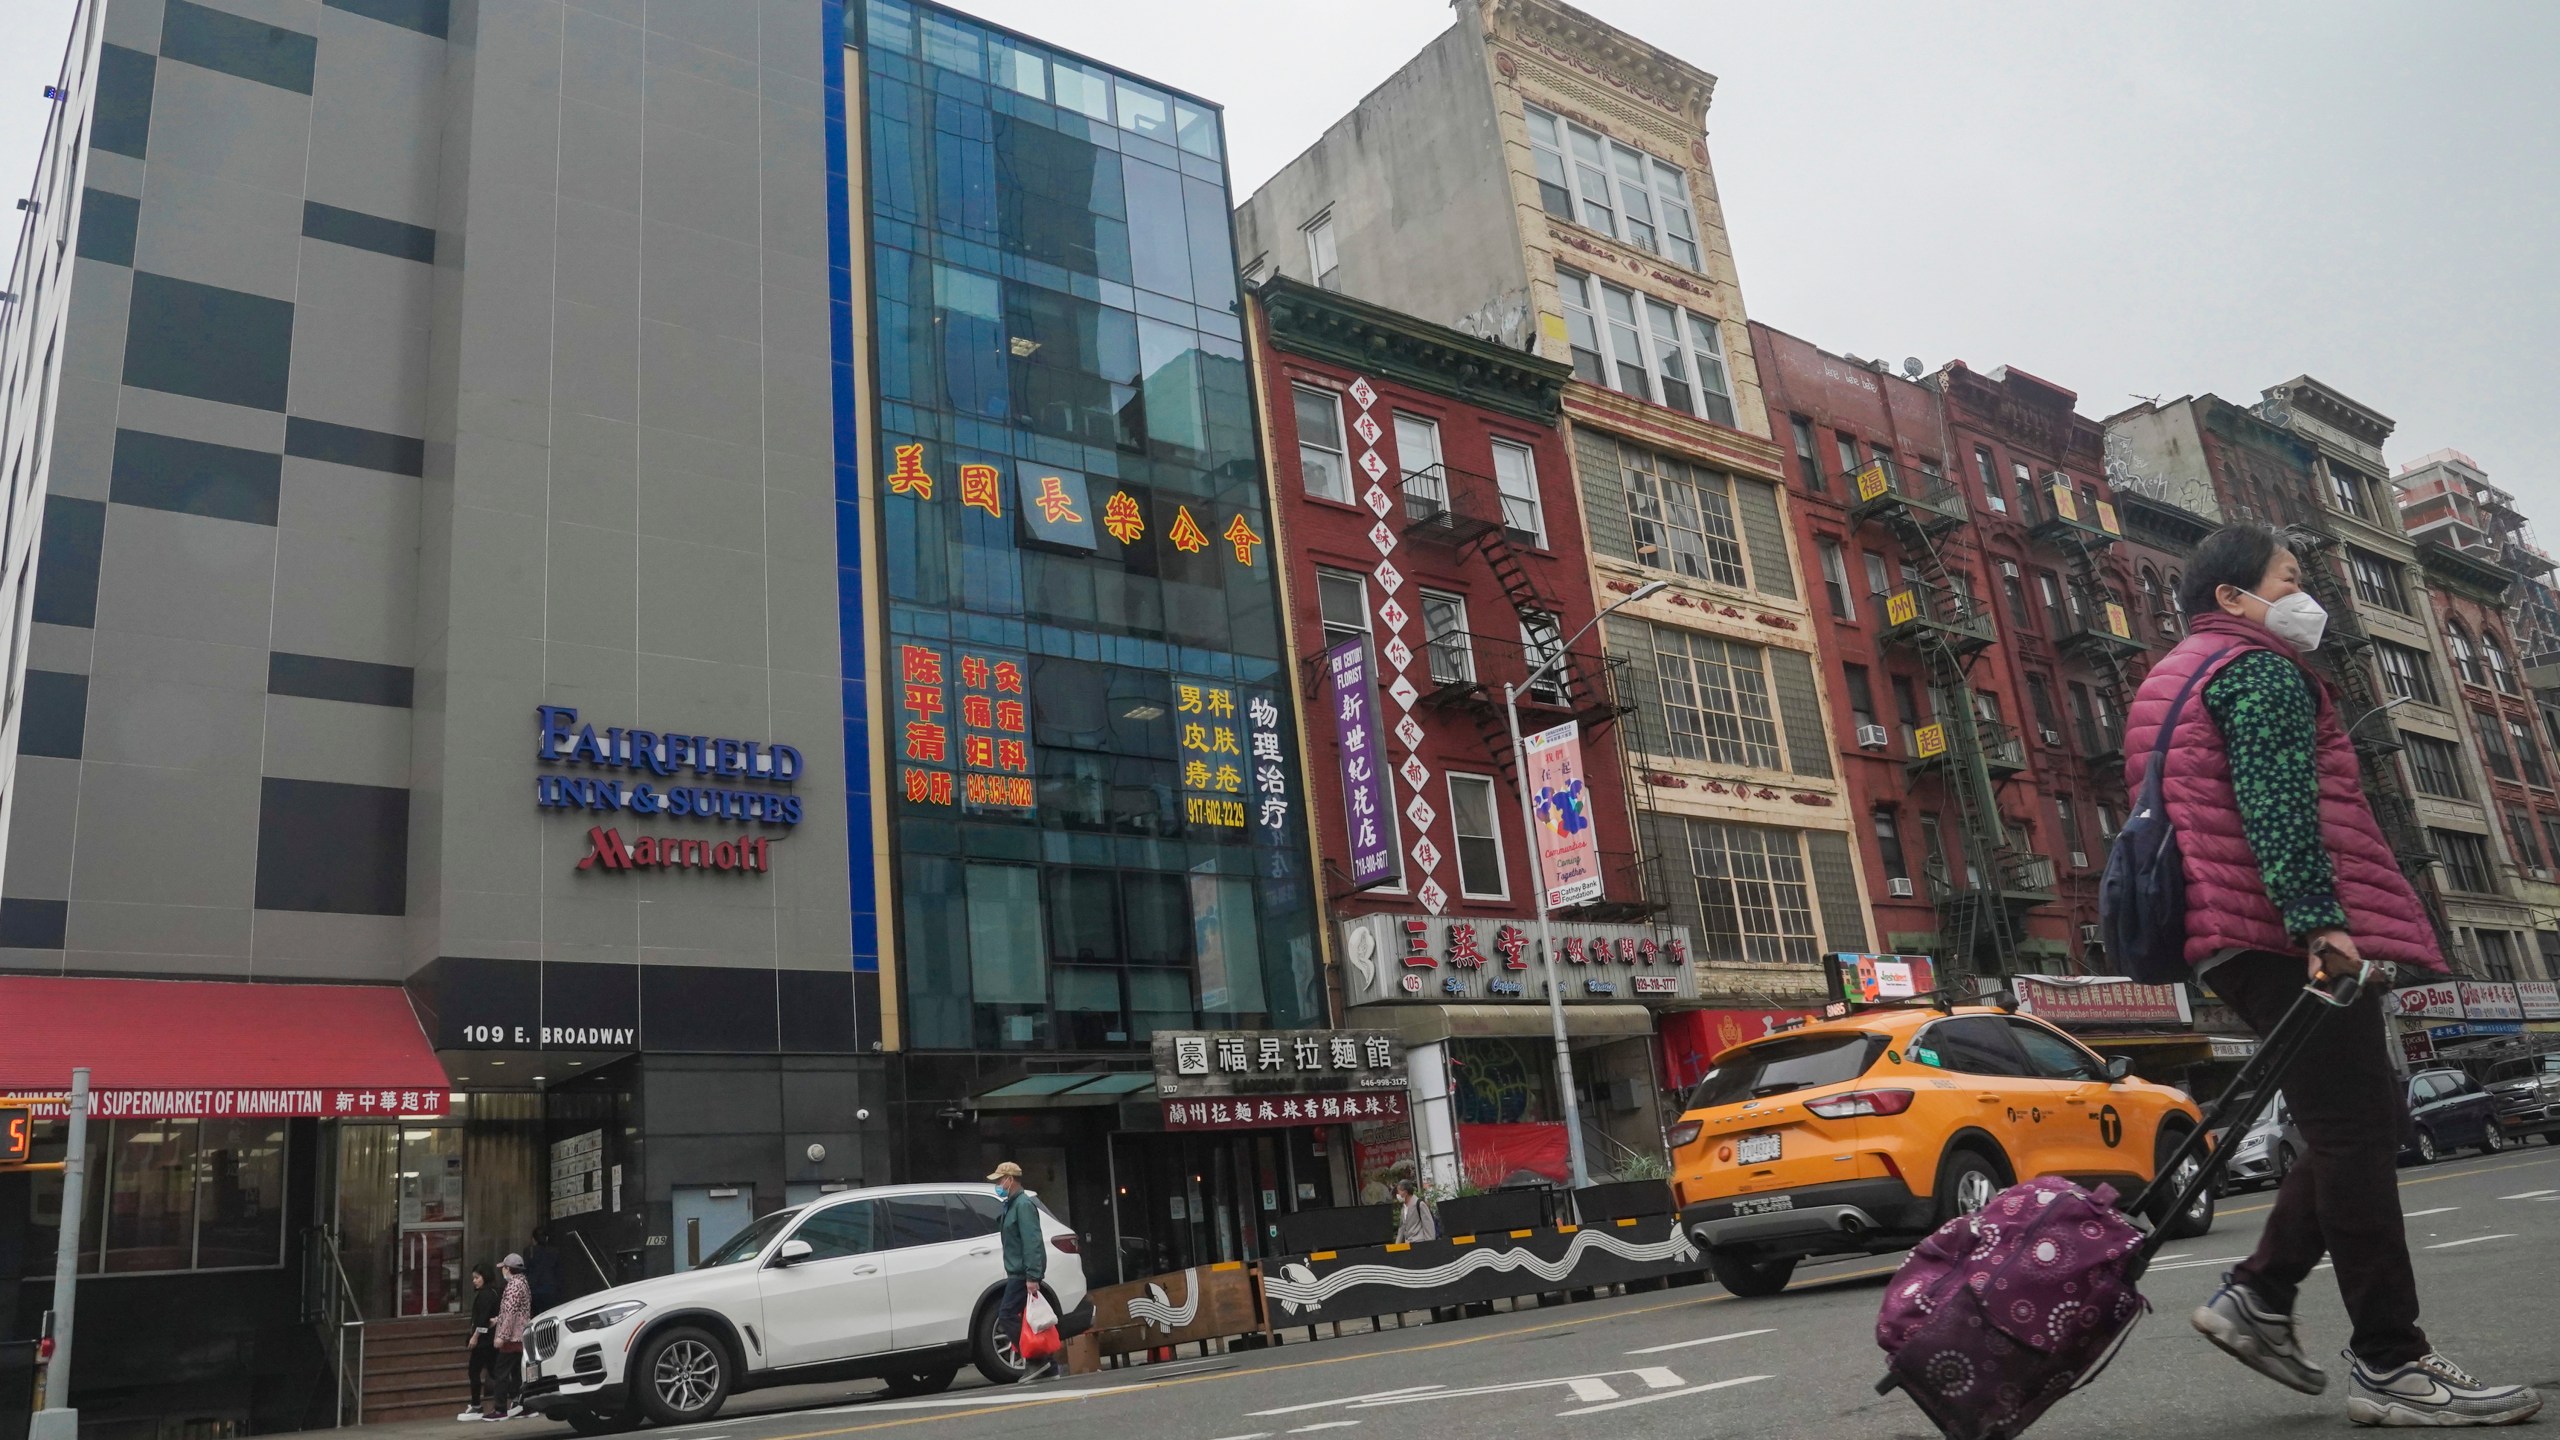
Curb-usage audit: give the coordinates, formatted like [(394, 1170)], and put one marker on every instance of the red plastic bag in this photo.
[(1039, 1330)]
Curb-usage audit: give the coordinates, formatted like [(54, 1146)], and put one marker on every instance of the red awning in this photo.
[(159, 1048)]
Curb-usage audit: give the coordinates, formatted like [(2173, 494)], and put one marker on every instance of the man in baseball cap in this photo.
[(1026, 1258)]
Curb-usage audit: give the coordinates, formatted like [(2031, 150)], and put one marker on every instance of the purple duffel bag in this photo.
[(2003, 1312)]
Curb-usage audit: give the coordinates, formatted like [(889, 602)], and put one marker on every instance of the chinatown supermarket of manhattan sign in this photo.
[(659, 777), (1442, 958)]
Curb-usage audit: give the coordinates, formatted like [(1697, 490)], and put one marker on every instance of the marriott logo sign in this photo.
[(607, 850)]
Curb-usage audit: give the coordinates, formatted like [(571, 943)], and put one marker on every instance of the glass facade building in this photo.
[(1087, 735)]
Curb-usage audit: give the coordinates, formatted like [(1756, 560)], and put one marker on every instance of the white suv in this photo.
[(899, 1282)]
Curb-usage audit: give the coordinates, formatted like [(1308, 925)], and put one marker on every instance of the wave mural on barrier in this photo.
[(1157, 1309), (1297, 1288)]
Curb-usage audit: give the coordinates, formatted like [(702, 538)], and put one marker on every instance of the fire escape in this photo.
[(1981, 908), (2342, 658), (1464, 513), (2101, 636)]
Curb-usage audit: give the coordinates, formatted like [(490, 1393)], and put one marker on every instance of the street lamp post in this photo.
[(57, 1420), (1538, 876)]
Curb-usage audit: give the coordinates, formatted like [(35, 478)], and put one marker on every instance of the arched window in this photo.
[(2172, 614), (2149, 583), (2494, 651), (2466, 661)]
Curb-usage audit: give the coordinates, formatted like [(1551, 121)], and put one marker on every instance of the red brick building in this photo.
[(1983, 642)]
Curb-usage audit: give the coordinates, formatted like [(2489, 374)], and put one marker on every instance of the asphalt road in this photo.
[(1696, 1362)]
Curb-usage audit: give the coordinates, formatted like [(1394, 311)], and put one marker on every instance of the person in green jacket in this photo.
[(1026, 1259)]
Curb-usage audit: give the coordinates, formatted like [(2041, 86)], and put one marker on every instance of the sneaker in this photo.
[(2258, 1336), (1041, 1371), (471, 1414), (2432, 1390)]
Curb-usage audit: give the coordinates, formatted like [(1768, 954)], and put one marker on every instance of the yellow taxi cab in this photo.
[(1862, 1134)]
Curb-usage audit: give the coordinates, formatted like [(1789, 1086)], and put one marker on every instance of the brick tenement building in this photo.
[(1969, 642)]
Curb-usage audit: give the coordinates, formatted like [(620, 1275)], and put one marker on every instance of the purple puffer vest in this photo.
[(2227, 904)]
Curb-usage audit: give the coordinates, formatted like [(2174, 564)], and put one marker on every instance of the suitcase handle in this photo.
[(2248, 1095)]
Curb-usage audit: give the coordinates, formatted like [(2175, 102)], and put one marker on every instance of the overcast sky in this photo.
[(2150, 198)]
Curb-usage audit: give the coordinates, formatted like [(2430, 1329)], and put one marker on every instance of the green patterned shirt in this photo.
[(2270, 730)]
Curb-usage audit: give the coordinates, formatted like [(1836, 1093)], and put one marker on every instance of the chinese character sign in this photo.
[(1210, 730), (1219, 1063), (1560, 797), (1055, 509), (964, 727), (1368, 797), (1258, 1112), (1270, 774)]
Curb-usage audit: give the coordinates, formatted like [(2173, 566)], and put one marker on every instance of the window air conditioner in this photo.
[(1871, 737), (2088, 934), (2539, 873), (1899, 887), (2009, 568), (2051, 737), (2079, 859)]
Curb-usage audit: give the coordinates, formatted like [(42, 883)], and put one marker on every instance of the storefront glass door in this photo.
[(431, 1265)]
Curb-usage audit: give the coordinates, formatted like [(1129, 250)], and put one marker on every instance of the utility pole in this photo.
[(57, 1420)]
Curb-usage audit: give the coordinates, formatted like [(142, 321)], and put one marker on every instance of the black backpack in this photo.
[(2142, 895)]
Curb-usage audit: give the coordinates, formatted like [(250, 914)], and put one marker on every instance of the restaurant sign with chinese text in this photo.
[(1194, 1063), (1454, 960)]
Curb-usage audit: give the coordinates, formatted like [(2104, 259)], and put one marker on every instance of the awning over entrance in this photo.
[(1430, 1024), (159, 1048), (1067, 1089)]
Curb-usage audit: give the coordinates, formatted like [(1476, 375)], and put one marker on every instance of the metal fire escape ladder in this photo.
[(2104, 640), (1945, 627)]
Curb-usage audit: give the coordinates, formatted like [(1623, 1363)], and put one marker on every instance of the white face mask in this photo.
[(2297, 619)]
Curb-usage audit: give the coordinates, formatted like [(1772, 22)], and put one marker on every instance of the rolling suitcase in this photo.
[(2001, 1313)]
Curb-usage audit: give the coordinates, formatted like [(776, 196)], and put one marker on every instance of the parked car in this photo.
[(898, 1282), (1862, 1135), (2527, 1090), (2446, 1113), (2265, 1155)]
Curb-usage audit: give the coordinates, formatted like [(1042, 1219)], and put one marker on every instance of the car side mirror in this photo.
[(793, 1252), (2118, 1069)]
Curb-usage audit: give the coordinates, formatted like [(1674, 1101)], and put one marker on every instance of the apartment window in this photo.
[(2040, 700), (2084, 718), (1543, 643), (1324, 465), (1808, 464), (1990, 480), (1835, 577), (2466, 661), (1612, 188), (2056, 613), (2436, 766), (2497, 953), (1879, 577), (1322, 261), (2025, 480), (1425, 483), (1847, 445), (2528, 754), (2520, 834), (1342, 596), (2466, 860), (1515, 474), (1862, 696), (1682, 516), (1479, 839), (2406, 675), (2108, 730), (2016, 590), (2349, 488), (1645, 348), (1715, 699), (1755, 903), (2377, 581), (1444, 631), (1906, 712), (2070, 819), (2106, 824), (185, 1195), (2501, 673), (1889, 843), (2551, 834), (2493, 745)]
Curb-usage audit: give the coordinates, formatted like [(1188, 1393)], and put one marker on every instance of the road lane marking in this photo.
[(946, 1402), (2192, 1264), (1584, 1387), (1346, 1400), (1325, 1425), (1256, 1435), (1710, 1340), (1588, 1388), (2439, 1210), (1662, 1395), (2405, 1182), (1657, 1378), (2530, 1195), (2474, 1240)]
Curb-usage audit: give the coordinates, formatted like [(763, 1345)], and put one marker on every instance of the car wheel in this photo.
[(929, 1382), (683, 1376), (999, 1357), (598, 1422), (2492, 1139), (2284, 1164), (2426, 1147), (1966, 1182), (1747, 1278), (2197, 1218)]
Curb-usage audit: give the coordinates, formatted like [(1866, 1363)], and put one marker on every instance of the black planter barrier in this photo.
[(1497, 1210), (1466, 1269), (1343, 1227), (1621, 1200)]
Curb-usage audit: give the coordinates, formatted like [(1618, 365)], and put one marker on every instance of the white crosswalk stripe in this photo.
[(1662, 1395), (1709, 1340), (2474, 1240)]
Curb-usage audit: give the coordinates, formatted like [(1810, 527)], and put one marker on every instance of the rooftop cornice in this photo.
[(2333, 407), (1658, 75), (1328, 325)]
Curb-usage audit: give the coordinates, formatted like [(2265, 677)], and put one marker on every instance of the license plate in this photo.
[(1757, 1149), (1767, 1204)]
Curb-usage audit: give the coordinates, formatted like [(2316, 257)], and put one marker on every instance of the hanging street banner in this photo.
[(1568, 845), (1368, 797)]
